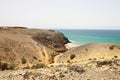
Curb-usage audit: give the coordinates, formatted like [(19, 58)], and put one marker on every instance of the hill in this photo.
[(24, 48)]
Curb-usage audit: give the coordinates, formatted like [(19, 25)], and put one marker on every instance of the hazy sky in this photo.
[(61, 13)]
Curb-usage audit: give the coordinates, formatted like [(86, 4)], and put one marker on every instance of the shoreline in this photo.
[(71, 45)]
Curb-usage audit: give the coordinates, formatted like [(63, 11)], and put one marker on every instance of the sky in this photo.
[(65, 14)]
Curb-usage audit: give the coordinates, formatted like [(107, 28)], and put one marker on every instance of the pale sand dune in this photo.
[(90, 52)]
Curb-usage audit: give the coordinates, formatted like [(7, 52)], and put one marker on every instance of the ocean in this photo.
[(80, 37)]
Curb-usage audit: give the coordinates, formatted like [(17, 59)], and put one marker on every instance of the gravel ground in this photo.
[(96, 70)]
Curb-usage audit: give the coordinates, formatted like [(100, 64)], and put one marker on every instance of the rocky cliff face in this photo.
[(29, 48), (53, 41)]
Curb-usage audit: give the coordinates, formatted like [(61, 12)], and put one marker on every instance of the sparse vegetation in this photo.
[(27, 67), (112, 47), (115, 56), (6, 49), (6, 66), (37, 66), (61, 75), (94, 58), (101, 63), (26, 75), (53, 77), (86, 49), (68, 61), (77, 69), (23, 60), (35, 57), (40, 60), (90, 59), (72, 56)]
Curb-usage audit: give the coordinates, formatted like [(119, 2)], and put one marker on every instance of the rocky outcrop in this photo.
[(54, 41), (90, 52), (27, 48)]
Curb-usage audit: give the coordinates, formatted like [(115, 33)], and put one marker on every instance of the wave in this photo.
[(72, 44)]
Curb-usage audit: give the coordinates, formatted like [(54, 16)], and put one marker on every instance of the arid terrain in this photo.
[(26, 48), (96, 70), (36, 54)]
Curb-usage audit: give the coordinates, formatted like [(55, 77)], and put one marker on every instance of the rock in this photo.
[(23, 48), (54, 41)]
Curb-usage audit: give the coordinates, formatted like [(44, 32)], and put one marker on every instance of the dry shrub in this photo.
[(112, 47), (77, 69), (23, 60), (72, 56), (37, 66)]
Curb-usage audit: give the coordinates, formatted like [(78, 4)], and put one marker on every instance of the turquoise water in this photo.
[(92, 36)]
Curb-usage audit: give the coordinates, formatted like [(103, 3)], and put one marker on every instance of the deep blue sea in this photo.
[(92, 36)]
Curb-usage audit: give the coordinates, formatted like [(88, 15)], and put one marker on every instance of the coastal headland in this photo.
[(37, 54)]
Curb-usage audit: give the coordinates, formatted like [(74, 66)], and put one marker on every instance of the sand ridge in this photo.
[(95, 51)]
